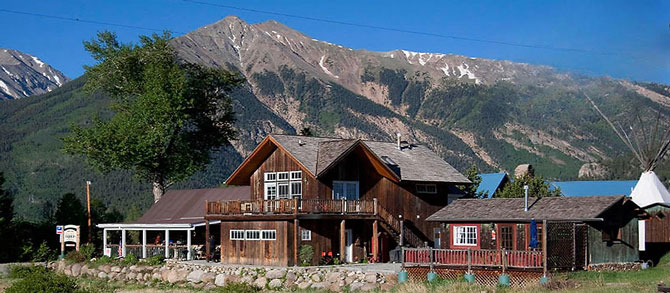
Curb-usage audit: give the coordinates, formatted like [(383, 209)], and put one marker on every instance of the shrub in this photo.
[(238, 288), (40, 279), (155, 260), (306, 254), (130, 259), (75, 256), (87, 250), (21, 271), (44, 253), (101, 261)]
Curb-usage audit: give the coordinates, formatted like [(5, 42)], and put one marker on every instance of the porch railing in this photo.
[(472, 257), (291, 206)]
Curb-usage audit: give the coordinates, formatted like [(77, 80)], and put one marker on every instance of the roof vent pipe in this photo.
[(398, 136), (525, 189)]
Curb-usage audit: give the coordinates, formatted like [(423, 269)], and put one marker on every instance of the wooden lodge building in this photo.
[(580, 231), (348, 198)]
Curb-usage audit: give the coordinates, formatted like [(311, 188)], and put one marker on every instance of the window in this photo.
[(426, 188), (253, 235), (345, 190), (270, 176), (306, 235), (296, 189), (465, 235), (506, 237), (389, 161), (270, 191), (296, 175), (268, 234), (282, 176), (436, 238), (282, 190), (236, 234)]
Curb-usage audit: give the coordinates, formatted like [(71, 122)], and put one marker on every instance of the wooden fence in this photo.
[(472, 258)]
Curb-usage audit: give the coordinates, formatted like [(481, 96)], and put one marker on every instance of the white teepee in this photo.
[(649, 191)]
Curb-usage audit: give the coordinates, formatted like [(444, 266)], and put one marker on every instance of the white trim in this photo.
[(268, 174), (299, 177), (274, 232), (230, 234), (455, 237), (119, 226), (642, 235), (266, 194), (280, 174), (305, 232), (246, 235)]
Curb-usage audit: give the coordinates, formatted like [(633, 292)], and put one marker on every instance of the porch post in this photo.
[(188, 244), (123, 242), (375, 240), (144, 243), (207, 248), (343, 239), (402, 231), (167, 243), (104, 240), (544, 247), (296, 243)]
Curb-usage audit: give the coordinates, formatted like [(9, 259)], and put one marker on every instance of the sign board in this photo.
[(70, 244), (59, 229), (69, 237), (108, 252)]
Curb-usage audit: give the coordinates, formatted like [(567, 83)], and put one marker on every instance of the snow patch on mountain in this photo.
[(465, 71), (4, 87), (321, 63)]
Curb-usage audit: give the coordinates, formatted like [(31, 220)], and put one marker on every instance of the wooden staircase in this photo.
[(393, 226)]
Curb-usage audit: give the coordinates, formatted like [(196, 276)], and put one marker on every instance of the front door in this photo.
[(349, 254), (506, 239)]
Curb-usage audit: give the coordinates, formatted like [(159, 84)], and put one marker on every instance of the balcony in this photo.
[(291, 207)]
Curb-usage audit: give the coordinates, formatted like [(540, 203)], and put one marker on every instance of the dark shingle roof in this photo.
[(415, 163), (586, 208), (188, 206)]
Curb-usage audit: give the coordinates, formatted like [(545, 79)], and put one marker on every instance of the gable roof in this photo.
[(186, 206), (318, 154), (490, 183), (583, 209), (589, 188)]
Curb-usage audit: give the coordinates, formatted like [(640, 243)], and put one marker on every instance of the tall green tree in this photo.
[(471, 189), (6, 226), (537, 187), (70, 211), (168, 116)]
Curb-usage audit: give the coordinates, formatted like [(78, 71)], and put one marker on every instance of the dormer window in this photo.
[(426, 188), (389, 161)]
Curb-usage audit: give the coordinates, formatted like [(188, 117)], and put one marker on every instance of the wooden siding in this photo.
[(624, 250), (257, 252), (658, 225), (280, 161)]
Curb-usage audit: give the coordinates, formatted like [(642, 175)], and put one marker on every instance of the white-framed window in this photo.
[(270, 176), (345, 190), (270, 190), (282, 190), (465, 235), (268, 234), (426, 188), (236, 234), (252, 235), (305, 235), (296, 188), (282, 176), (296, 175)]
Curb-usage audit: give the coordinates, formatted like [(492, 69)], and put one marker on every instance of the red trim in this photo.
[(451, 236)]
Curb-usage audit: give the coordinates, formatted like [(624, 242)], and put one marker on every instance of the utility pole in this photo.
[(88, 206)]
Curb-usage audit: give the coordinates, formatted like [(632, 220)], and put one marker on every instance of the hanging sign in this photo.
[(59, 229)]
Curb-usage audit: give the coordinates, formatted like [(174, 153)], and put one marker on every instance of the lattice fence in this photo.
[(489, 278), (566, 245)]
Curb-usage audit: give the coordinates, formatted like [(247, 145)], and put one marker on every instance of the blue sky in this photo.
[(623, 39)]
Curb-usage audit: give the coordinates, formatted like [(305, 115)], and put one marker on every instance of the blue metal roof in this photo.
[(587, 188), (490, 183)]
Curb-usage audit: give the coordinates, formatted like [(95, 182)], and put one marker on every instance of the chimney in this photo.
[(525, 189), (398, 136)]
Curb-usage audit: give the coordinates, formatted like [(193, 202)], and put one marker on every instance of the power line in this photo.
[(453, 37)]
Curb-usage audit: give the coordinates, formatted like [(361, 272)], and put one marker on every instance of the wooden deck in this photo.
[(473, 258), (290, 207)]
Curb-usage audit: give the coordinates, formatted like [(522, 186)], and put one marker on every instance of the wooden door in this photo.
[(507, 236)]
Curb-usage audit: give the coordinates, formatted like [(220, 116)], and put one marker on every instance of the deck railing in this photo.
[(472, 257), (291, 206)]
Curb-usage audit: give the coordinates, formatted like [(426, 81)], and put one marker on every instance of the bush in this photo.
[(101, 261), (130, 259), (306, 254), (155, 260), (21, 271), (39, 279), (75, 256), (44, 253), (87, 250)]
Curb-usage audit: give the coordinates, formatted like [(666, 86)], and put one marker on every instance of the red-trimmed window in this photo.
[(465, 236)]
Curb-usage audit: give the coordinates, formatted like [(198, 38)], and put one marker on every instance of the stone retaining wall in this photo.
[(205, 276)]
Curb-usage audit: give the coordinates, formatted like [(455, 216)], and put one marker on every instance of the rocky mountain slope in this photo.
[(496, 114), (24, 75)]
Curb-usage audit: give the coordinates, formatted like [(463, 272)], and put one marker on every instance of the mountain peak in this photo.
[(23, 75)]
